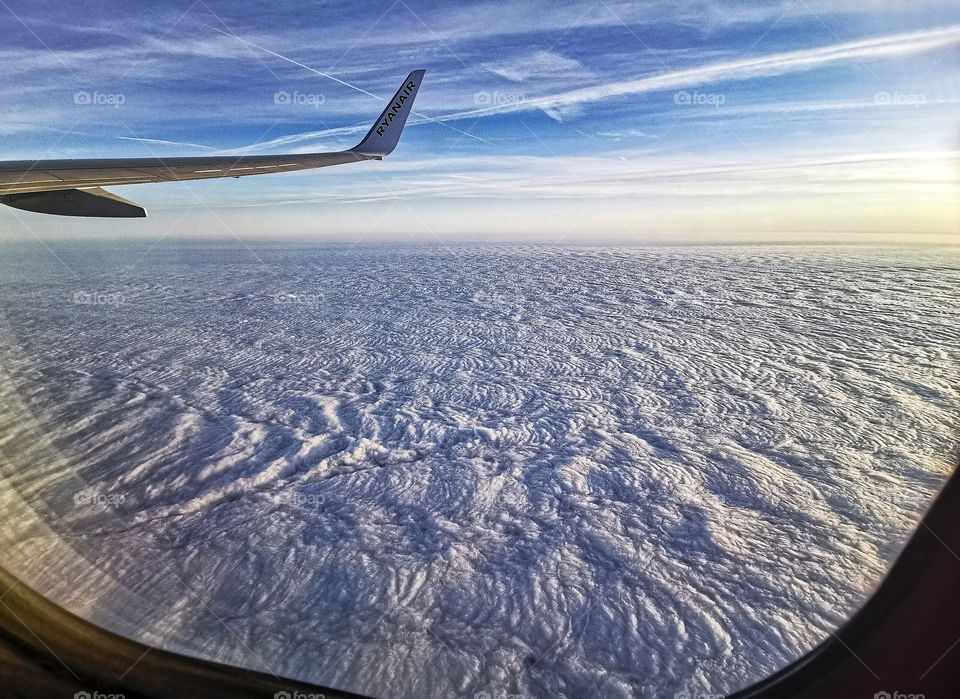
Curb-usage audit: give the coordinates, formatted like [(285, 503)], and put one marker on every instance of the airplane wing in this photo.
[(73, 187)]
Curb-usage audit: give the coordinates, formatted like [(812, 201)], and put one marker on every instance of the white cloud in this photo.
[(887, 46), (637, 174), (561, 112), (539, 64), (894, 45), (626, 133)]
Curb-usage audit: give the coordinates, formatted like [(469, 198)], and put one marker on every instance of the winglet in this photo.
[(382, 137)]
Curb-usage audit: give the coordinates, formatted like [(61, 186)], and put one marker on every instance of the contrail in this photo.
[(770, 65), (338, 80), (163, 142)]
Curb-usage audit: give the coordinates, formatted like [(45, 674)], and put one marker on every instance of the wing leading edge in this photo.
[(72, 187)]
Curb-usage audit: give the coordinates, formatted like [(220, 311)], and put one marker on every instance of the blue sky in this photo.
[(779, 120)]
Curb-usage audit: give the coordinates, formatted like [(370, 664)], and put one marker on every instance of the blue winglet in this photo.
[(383, 136)]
